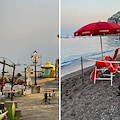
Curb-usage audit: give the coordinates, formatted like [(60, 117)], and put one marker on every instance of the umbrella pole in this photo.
[(101, 46), (119, 36)]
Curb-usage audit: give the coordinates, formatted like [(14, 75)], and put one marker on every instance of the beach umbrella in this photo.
[(98, 28)]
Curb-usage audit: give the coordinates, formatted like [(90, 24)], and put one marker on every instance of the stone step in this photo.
[(17, 112), (2, 105), (35, 89), (8, 103)]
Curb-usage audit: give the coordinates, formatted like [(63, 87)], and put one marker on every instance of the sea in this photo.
[(87, 47)]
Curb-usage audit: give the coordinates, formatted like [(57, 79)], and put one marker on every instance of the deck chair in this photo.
[(103, 66)]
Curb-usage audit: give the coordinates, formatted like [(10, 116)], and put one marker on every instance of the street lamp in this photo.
[(35, 59)]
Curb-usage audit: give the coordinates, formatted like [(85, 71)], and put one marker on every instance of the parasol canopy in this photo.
[(98, 28)]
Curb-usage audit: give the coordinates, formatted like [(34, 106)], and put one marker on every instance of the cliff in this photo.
[(115, 18)]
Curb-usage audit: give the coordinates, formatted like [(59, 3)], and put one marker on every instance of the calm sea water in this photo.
[(87, 47)]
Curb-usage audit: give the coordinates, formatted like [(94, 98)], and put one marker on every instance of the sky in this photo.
[(26, 26), (77, 13)]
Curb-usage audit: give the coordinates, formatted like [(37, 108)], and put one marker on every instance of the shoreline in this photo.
[(76, 73)]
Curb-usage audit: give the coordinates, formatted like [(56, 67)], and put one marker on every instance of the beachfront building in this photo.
[(48, 70)]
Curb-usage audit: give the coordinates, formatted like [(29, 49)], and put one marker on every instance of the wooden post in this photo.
[(25, 78), (12, 82), (13, 75), (82, 70), (3, 70), (57, 69)]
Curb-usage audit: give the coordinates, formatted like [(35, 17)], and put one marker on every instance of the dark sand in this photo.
[(89, 101)]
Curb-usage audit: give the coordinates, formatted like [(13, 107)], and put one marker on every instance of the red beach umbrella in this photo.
[(98, 28)]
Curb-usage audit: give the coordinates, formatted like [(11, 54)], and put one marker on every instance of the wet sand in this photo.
[(89, 101)]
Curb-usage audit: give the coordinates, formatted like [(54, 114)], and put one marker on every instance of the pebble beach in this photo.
[(89, 101)]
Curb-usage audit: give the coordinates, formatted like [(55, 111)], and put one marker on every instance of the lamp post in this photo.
[(35, 59)]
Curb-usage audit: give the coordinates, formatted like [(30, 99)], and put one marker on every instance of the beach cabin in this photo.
[(48, 70)]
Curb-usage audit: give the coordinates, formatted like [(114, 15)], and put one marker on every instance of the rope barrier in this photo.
[(102, 61)]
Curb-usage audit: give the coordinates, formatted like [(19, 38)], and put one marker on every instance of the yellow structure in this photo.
[(48, 70)]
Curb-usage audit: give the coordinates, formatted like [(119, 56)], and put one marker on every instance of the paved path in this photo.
[(32, 109)]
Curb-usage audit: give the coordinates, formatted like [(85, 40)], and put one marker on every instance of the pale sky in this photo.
[(28, 25), (77, 13)]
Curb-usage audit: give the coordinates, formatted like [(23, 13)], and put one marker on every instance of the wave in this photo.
[(75, 58)]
